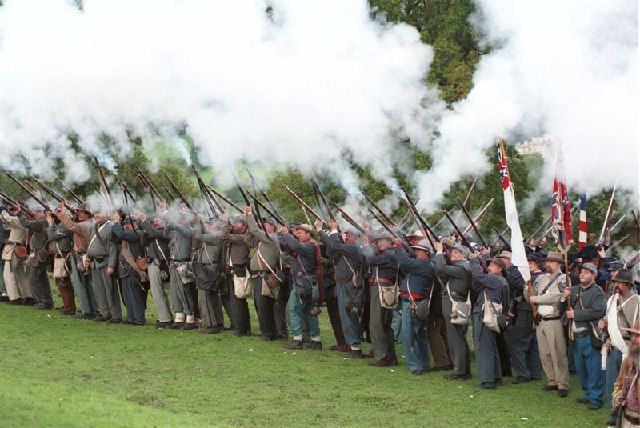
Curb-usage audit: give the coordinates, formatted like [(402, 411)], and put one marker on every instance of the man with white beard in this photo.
[(622, 313)]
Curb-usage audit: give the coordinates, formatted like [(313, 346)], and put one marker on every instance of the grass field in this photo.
[(62, 371)]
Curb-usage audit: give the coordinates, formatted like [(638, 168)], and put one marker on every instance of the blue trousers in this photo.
[(588, 368), (487, 357), (299, 310), (133, 300), (614, 361), (414, 340), (523, 347), (350, 321)]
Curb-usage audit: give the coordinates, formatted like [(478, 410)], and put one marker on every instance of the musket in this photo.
[(324, 199), (13, 202), (422, 222), (304, 204), (53, 194), (500, 237), (479, 216), (71, 193), (617, 223), (105, 186), (620, 241), (168, 191), (29, 191), (225, 199), (177, 191), (636, 224), (273, 210), (267, 210), (473, 224), (388, 229), (542, 225), (149, 184), (463, 240), (125, 190), (256, 211), (350, 220), (608, 215), (214, 205), (379, 210), (471, 188)]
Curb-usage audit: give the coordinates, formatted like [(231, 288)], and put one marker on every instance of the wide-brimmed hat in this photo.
[(555, 256), (382, 234), (624, 275), (240, 219), (83, 207), (536, 258), (504, 255), (422, 244), (418, 233), (272, 221), (615, 265), (500, 262), (353, 232)]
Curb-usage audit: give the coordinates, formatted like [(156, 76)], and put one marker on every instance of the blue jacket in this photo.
[(418, 274), (495, 287)]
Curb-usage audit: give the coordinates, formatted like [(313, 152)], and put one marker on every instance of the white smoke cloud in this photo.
[(568, 69), (298, 88)]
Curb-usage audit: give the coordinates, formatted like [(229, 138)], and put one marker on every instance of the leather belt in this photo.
[(382, 281), (551, 318)]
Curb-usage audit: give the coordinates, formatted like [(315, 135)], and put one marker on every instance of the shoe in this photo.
[(498, 382), (4, 298), (355, 353), (68, 313), (562, 393), (382, 362), (487, 385), (455, 376), (582, 400), (137, 324), (176, 325), (442, 368), (29, 301), (267, 338), (370, 354), (315, 345), (210, 330), (238, 334), (165, 324), (341, 348), (594, 406), (127, 322), (294, 345), (550, 388), (100, 318), (612, 421), (519, 380), (85, 316), (115, 321), (189, 326), (284, 336), (392, 360), (419, 372)]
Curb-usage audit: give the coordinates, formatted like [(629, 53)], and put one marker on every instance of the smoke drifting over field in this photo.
[(309, 81), (300, 85), (568, 69)]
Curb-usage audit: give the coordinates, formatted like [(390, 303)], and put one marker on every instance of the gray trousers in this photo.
[(82, 288), (158, 293), (107, 294), (181, 301), (437, 335), (457, 338), (40, 286), (487, 358), (210, 307), (382, 337)]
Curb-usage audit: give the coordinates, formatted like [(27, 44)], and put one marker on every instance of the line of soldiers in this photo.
[(212, 267)]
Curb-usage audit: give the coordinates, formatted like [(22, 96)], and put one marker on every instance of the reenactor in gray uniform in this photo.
[(266, 273), (101, 259), (207, 271), (236, 255), (13, 255), (80, 277), (383, 276), (60, 245), (550, 332), (157, 249), (133, 279), (38, 257), (180, 234), (456, 277)]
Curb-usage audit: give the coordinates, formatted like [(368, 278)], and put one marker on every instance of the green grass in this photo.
[(61, 371)]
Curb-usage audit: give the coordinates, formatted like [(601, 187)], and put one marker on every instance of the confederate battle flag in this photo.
[(560, 204)]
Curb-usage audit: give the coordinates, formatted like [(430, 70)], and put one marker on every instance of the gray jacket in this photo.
[(457, 275)]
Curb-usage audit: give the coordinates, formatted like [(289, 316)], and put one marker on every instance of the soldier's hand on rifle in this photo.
[(602, 252), (438, 247), (139, 214), (317, 224), (282, 228), (333, 225), (224, 217), (485, 251), (247, 210), (570, 314), (566, 293), (532, 300), (162, 206), (602, 324), (110, 270), (49, 218), (116, 217)]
